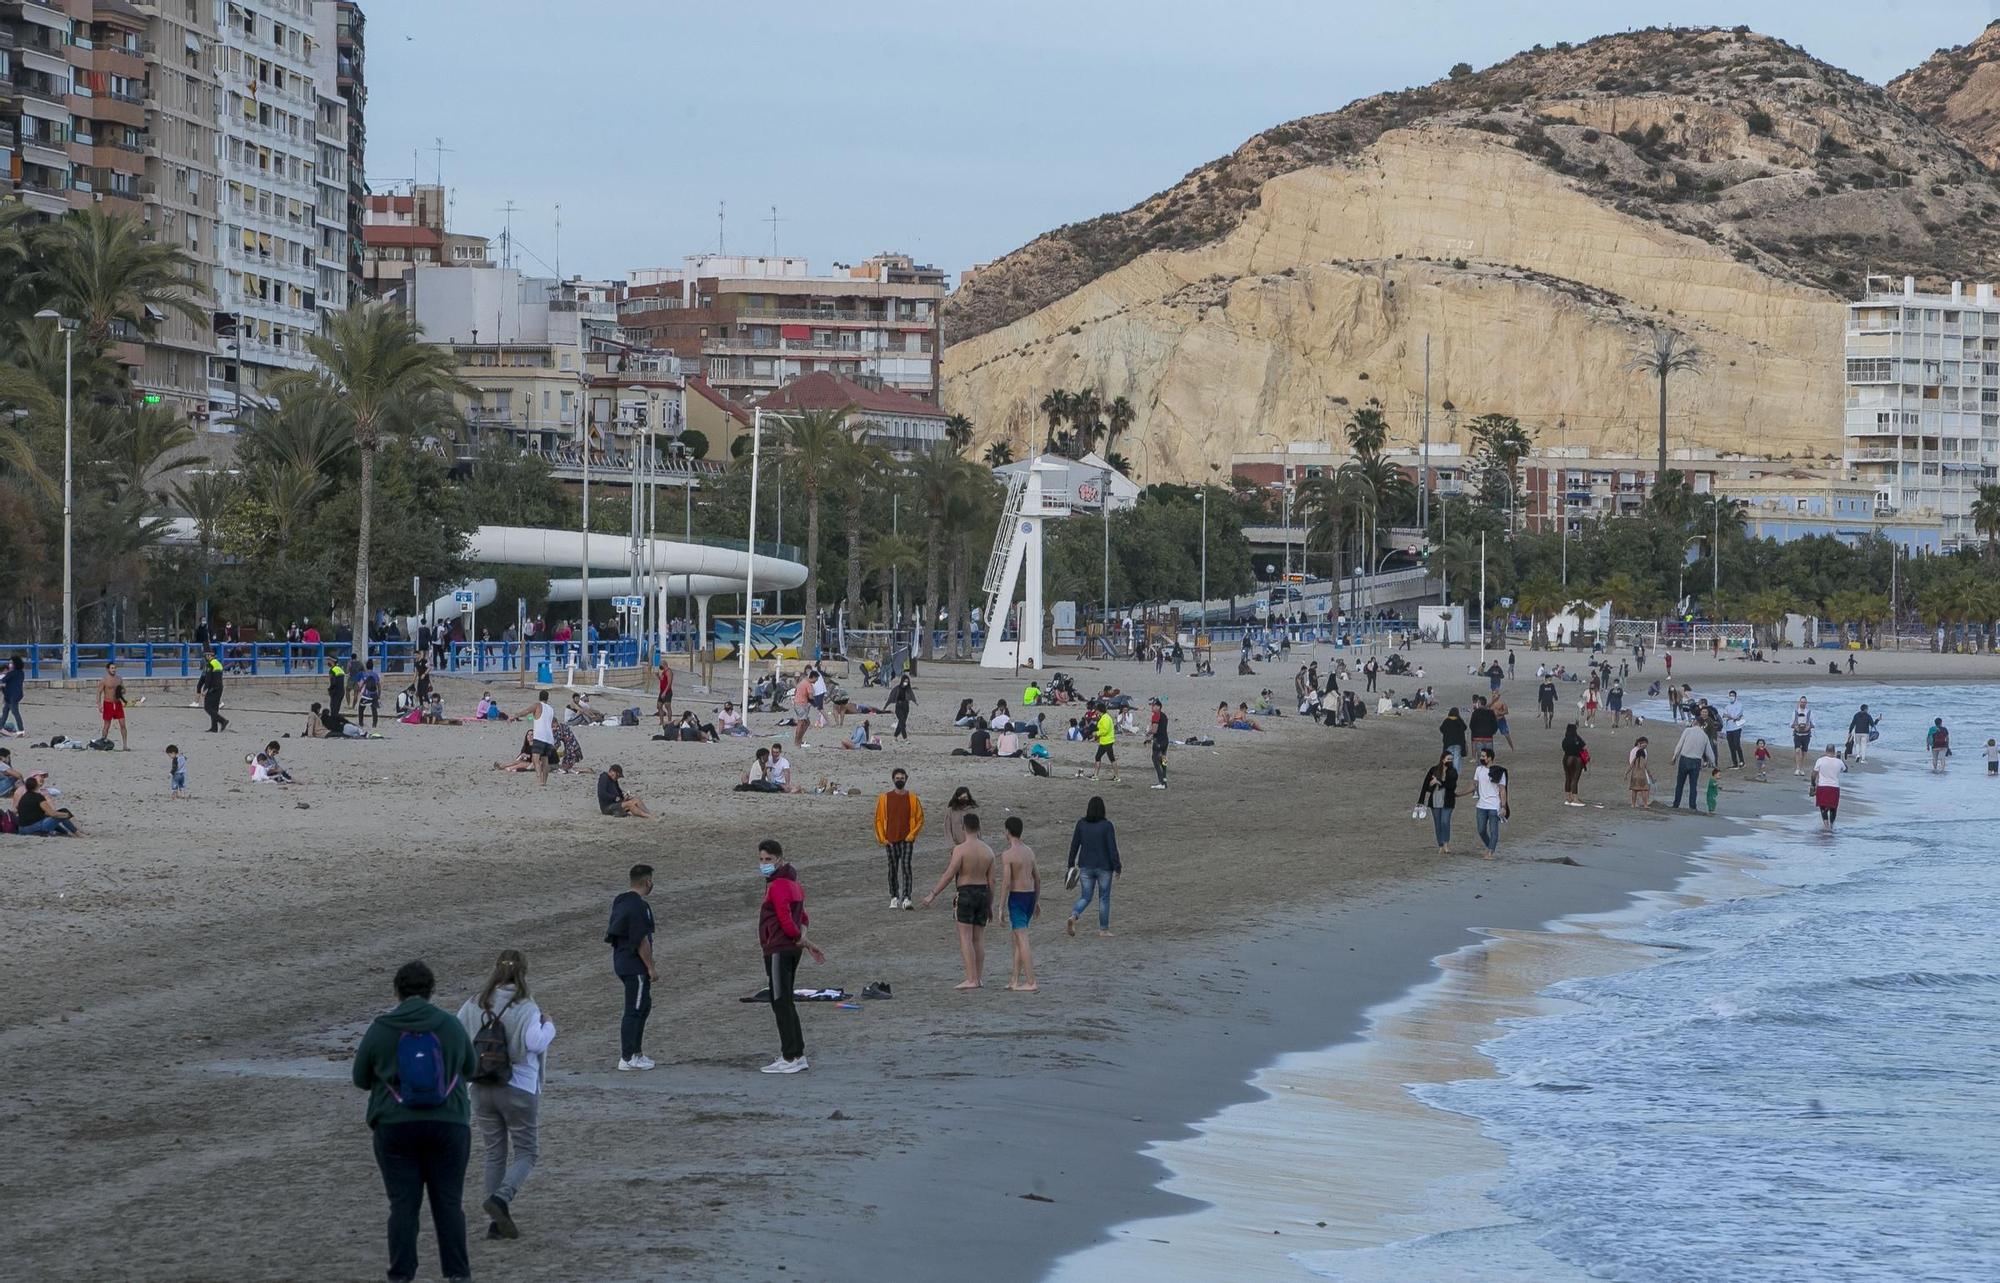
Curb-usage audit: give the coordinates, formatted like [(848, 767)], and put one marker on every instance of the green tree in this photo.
[(1540, 598), (932, 477), (1986, 515), (958, 431), (815, 446), (109, 274), (1665, 353), (1055, 408), (377, 368), (999, 454), (1118, 416), (695, 442), (1368, 430), (1499, 444)]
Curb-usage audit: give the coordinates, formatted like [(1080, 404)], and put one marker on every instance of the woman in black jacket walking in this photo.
[(1093, 853), (901, 699), (1439, 792)]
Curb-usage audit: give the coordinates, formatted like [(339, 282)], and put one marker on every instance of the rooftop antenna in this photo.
[(441, 149), (507, 235), (774, 220), (721, 244), (559, 274)]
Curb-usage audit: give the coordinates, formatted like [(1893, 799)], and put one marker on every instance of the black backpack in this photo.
[(493, 1063)]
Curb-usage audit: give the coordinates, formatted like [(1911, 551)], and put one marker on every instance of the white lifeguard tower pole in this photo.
[(1017, 563)]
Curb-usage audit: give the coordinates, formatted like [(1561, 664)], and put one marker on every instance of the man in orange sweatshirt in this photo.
[(899, 818)]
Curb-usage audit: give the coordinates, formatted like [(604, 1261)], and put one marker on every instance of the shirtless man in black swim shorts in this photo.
[(976, 872)]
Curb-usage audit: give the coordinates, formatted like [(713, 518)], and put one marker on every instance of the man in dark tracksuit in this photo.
[(209, 684), (630, 936)]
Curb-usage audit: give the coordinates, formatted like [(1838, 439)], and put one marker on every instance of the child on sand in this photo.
[(1714, 787), (1763, 755), (177, 773)]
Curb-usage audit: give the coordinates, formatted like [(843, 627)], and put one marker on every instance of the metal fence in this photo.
[(286, 659)]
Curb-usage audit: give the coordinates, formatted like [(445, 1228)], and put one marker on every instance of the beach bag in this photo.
[(103, 745), (1071, 876), (1583, 755), (495, 1064), (420, 1071), (1420, 812), (630, 717), (9, 822), (1035, 767)]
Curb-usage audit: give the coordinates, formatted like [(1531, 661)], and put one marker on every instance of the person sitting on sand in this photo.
[(966, 715), (862, 737), (612, 798), (327, 723), (693, 728), (729, 721), (981, 744), (757, 779), (1008, 744), (1237, 721), (489, 710), (1001, 718), (524, 762), (34, 817), (277, 768), (433, 712), (11, 779), (581, 713)]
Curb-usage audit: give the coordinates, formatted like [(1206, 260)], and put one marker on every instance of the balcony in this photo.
[(836, 317)]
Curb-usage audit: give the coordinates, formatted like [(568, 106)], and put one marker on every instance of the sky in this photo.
[(953, 130)]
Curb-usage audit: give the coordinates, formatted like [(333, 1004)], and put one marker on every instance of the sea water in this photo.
[(1797, 1078)]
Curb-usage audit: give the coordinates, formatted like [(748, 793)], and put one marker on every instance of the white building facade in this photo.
[(330, 142), (1923, 399), (267, 286)]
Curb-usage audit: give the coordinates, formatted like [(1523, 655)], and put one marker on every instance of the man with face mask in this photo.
[(781, 931)]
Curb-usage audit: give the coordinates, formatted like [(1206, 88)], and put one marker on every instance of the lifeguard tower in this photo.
[(1034, 496)]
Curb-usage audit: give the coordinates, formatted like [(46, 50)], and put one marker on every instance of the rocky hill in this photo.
[(1533, 218), (1959, 90)]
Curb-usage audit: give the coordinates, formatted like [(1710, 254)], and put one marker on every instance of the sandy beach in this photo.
[(188, 980)]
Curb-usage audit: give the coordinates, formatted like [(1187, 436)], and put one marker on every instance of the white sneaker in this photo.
[(641, 1062), (1159, 786), (778, 1066), (625, 1066), (894, 903), (908, 903)]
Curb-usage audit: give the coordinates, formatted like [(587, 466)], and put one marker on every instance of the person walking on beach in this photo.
[(1802, 732), (1093, 853), (1500, 728), (1482, 724), (630, 936), (1732, 730), (1369, 670), (1859, 731), (1021, 891), (1489, 781), (962, 804), (12, 683), (1452, 731), (1439, 794), (1690, 751), (1826, 775), (1157, 733), (1639, 775), (111, 703), (1107, 744), (1545, 699), (1575, 757), (1938, 741), (900, 700), (414, 1063), (336, 685), (510, 1042), (899, 818), (368, 695), (209, 687), (973, 869), (781, 934)]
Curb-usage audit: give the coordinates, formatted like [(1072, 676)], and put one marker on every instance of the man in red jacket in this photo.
[(781, 930)]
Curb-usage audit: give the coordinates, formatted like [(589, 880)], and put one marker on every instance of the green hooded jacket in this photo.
[(375, 1063)]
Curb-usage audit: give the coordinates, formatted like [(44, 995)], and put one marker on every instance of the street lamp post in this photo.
[(1204, 557), (1104, 506), (68, 328), (750, 559)]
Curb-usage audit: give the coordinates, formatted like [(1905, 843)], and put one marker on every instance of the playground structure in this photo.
[(1017, 563)]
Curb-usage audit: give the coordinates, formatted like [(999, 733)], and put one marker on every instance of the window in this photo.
[(1866, 370)]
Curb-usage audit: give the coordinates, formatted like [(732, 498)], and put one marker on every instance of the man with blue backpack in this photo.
[(414, 1063)]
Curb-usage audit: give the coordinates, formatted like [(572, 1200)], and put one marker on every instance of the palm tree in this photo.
[(1328, 503), (1540, 597), (864, 465), (815, 446), (999, 454), (958, 431), (100, 269), (933, 476), (1766, 609), (1086, 411), (1620, 591), (376, 368), (1986, 515), (1667, 353), (207, 497), (1119, 463), (889, 557), (1056, 407), (1119, 415), (1368, 430)]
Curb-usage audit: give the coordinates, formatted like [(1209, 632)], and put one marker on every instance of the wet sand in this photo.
[(187, 981)]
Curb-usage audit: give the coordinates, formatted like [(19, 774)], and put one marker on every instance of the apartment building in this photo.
[(182, 187), (757, 323), (1800, 503), (330, 142), (901, 423), (518, 343), (350, 63), (74, 109), (267, 286), (1923, 399), (401, 232)]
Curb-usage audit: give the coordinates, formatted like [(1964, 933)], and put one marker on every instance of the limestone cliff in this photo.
[(1959, 90), (1533, 219)]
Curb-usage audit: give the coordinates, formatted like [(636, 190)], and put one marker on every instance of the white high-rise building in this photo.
[(268, 278), (330, 142), (1923, 399)]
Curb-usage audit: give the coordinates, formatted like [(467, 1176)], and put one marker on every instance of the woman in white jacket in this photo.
[(506, 1106)]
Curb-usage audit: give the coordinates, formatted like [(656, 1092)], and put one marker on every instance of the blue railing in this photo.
[(287, 659)]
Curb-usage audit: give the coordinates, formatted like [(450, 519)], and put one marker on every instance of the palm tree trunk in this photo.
[(365, 525), (1663, 428), (852, 513), (929, 621), (955, 622), (809, 635)]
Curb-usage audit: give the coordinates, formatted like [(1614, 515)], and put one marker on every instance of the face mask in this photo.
[(767, 869)]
